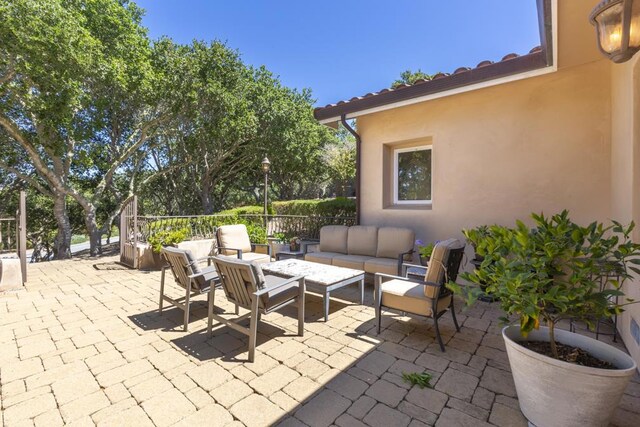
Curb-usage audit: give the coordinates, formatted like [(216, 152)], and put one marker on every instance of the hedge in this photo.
[(341, 207)]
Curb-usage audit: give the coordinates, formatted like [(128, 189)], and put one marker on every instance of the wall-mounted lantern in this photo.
[(617, 24)]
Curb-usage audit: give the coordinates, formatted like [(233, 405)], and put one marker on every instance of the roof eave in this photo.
[(520, 64)]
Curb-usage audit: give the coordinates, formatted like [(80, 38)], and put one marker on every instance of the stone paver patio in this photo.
[(85, 345)]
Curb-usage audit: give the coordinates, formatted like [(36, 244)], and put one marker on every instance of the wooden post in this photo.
[(21, 234)]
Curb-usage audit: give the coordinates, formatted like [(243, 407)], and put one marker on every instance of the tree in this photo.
[(76, 98), (409, 77), (229, 117)]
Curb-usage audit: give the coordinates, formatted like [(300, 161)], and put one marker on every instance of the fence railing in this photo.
[(204, 226), (8, 235)]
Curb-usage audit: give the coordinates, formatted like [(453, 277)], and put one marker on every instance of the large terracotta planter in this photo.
[(555, 393)]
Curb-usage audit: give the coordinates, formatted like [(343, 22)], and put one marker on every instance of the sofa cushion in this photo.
[(320, 257), (410, 297), (362, 240), (393, 241), (350, 261), (333, 238), (438, 264), (381, 265), (234, 236)]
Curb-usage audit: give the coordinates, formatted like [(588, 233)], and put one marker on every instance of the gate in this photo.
[(129, 232)]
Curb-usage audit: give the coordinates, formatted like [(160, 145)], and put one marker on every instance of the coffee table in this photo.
[(320, 277)]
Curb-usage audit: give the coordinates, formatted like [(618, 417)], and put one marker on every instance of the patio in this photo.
[(84, 345)]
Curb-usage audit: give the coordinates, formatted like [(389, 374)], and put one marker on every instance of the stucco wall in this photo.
[(541, 144), (625, 173)]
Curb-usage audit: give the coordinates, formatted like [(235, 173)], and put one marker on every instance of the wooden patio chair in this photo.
[(428, 297), (188, 275), (245, 285)]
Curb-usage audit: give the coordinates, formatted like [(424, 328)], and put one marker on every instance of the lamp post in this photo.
[(266, 166), (617, 25)]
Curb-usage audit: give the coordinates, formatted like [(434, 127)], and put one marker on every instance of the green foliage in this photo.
[(421, 379), (409, 77), (248, 210), (554, 270), (338, 207), (425, 251), (341, 163), (257, 233), (167, 238)]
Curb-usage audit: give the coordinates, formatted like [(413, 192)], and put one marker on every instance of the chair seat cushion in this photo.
[(251, 256), (381, 265), (209, 276), (275, 297), (409, 296), (350, 261), (320, 257)]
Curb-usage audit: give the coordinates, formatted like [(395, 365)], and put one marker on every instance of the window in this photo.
[(412, 175)]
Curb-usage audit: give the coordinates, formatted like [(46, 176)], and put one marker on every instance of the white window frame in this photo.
[(398, 151)]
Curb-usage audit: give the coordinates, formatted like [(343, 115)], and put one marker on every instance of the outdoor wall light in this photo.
[(617, 25)]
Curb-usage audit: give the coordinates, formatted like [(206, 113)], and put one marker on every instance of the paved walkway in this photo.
[(84, 345)]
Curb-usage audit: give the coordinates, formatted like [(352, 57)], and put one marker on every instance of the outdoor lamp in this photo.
[(266, 165), (617, 25)]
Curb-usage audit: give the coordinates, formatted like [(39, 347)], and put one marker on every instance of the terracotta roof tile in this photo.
[(437, 76)]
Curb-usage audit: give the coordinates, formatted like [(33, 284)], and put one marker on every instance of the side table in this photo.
[(289, 255)]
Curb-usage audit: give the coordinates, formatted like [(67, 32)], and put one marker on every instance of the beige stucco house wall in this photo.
[(569, 139)]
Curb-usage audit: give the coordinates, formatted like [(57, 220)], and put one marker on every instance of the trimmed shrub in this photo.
[(339, 207)]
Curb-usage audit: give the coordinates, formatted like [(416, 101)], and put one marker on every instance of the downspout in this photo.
[(352, 131)]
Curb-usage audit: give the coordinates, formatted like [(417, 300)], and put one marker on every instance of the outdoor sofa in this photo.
[(368, 248)]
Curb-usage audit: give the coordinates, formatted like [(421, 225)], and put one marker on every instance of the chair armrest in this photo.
[(401, 260), (279, 285), (239, 251), (406, 266), (382, 277), (265, 245)]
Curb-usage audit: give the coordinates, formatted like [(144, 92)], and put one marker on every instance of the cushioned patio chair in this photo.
[(233, 240), (429, 298), (245, 285), (188, 275)]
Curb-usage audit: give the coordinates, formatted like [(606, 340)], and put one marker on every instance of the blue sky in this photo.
[(342, 49)]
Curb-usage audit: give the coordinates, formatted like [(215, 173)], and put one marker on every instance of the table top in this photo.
[(321, 274)]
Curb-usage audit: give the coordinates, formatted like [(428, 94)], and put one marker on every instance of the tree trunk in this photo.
[(205, 196), (95, 241), (62, 241)]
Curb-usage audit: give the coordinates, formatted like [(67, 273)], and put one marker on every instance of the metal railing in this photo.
[(204, 226)]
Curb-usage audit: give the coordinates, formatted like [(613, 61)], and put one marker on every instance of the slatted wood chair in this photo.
[(428, 297), (245, 285), (188, 275)]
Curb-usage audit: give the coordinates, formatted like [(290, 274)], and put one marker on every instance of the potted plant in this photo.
[(425, 251), (294, 244), (278, 242), (163, 238), (543, 275)]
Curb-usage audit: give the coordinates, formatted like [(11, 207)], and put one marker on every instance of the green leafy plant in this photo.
[(553, 271), (167, 238), (421, 379), (425, 251)]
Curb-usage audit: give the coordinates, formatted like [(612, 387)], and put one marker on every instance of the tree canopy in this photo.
[(93, 111)]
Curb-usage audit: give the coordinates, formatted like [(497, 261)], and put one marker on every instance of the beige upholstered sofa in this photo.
[(368, 248)]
